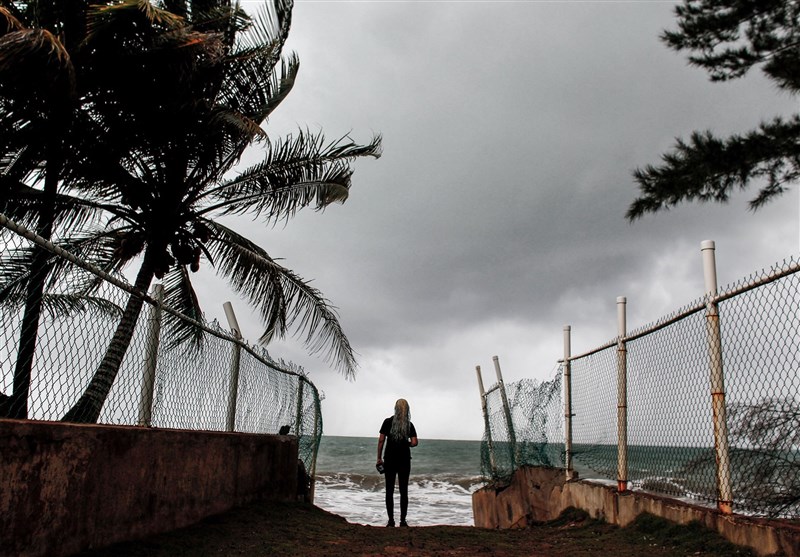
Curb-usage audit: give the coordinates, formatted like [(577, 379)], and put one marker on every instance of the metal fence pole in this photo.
[(567, 377), (151, 359), (512, 438), (719, 411), (298, 418), (622, 397), (233, 390), (486, 422), (315, 454)]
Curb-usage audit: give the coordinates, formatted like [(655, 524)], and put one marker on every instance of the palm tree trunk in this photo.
[(29, 329), (90, 404)]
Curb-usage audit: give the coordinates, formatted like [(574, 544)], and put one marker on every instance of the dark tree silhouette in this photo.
[(173, 97), (39, 101), (765, 439), (192, 115), (727, 38)]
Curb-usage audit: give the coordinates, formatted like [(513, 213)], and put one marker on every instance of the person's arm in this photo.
[(414, 441), (381, 440)]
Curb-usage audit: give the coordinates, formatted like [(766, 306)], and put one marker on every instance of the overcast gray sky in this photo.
[(496, 214)]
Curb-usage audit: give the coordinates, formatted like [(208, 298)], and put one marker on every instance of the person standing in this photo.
[(397, 433)]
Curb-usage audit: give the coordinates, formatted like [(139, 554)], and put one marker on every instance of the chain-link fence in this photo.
[(703, 404), (536, 437), (177, 372)]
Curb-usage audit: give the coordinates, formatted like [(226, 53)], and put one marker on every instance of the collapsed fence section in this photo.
[(524, 425), (703, 404), (177, 371)]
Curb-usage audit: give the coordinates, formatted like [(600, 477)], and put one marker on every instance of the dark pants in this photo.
[(401, 471)]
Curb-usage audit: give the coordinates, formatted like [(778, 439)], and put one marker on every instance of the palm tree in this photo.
[(46, 125), (36, 106), (188, 116)]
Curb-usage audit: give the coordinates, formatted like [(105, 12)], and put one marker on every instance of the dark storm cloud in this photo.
[(496, 214)]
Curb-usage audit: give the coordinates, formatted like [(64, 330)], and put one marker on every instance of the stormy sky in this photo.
[(496, 214)]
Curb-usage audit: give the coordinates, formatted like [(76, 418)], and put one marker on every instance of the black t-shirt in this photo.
[(395, 450)]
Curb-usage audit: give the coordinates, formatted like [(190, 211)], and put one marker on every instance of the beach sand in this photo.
[(295, 529)]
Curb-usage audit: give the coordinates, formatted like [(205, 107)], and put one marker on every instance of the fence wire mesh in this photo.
[(191, 385), (671, 447), (537, 433)]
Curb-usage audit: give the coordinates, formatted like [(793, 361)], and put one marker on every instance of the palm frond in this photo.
[(68, 305), (15, 268), (229, 134), (22, 155), (22, 47), (98, 248), (8, 23), (245, 79), (255, 89), (238, 129), (284, 300), (249, 93), (13, 202), (180, 296), (281, 195), (269, 26), (218, 16), (145, 71), (104, 17), (24, 204), (33, 62), (295, 173), (108, 181)]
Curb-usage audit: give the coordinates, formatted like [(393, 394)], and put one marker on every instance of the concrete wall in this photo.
[(541, 494), (66, 487)]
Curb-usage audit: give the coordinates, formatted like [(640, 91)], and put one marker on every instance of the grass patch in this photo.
[(689, 539), (571, 516)]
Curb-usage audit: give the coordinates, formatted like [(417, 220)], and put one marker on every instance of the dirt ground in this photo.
[(289, 529)]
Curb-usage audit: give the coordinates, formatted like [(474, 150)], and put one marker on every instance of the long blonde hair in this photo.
[(401, 423)]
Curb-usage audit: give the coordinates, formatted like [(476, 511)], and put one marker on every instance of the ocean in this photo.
[(444, 474)]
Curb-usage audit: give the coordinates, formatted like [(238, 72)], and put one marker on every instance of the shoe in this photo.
[(403, 524), (390, 524)]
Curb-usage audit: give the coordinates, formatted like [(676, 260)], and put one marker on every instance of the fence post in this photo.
[(719, 411), (512, 438), (316, 447), (151, 359), (233, 389), (567, 377), (486, 422), (298, 418), (622, 397)]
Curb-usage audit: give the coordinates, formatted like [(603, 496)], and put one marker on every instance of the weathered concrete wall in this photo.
[(66, 487), (540, 494)]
